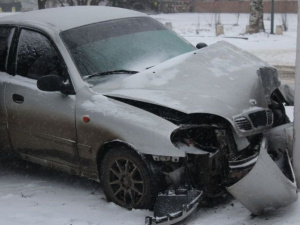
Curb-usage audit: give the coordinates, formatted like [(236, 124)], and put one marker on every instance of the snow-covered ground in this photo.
[(30, 194), (275, 49)]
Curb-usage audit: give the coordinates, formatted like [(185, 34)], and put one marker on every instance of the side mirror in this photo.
[(201, 45), (50, 83), (54, 83)]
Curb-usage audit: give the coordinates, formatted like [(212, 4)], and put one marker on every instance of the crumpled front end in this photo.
[(260, 176)]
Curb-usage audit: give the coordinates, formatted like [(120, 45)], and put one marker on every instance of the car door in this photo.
[(40, 124), (6, 35)]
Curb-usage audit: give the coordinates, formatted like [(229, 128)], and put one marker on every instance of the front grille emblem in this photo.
[(252, 102)]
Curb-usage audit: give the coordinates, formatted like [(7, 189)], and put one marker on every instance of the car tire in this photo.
[(127, 180)]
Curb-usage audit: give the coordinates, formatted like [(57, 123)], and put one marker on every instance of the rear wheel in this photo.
[(127, 179)]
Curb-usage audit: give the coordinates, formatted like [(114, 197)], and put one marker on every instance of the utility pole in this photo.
[(272, 17), (296, 150)]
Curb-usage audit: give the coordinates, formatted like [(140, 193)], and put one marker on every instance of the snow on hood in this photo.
[(219, 79)]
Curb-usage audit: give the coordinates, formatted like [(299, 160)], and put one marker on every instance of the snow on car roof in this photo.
[(66, 18)]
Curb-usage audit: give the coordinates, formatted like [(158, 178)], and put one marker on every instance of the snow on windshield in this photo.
[(129, 44)]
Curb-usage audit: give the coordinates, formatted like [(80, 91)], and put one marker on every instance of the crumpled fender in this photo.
[(113, 120)]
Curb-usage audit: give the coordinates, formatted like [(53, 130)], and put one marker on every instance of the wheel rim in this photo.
[(126, 182)]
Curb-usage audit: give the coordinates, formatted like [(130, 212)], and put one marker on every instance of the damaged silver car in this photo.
[(117, 97)]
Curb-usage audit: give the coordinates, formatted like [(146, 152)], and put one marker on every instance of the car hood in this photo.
[(220, 79)]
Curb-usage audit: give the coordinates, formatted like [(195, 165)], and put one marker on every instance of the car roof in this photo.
[(65, 18)]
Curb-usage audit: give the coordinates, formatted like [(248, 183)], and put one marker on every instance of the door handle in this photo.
[(18, 98)]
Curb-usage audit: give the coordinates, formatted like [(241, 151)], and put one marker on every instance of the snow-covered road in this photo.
[(33, 195)]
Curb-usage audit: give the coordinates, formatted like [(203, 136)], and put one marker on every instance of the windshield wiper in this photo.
[(109, 73)]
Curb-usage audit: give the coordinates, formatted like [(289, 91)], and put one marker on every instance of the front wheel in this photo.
[(126, 179)]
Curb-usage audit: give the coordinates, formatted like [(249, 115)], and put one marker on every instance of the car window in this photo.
[(36, 56), (129, 44), (6, 34)]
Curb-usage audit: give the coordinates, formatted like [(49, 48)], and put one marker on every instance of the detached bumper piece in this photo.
[(269, 184), (172, 207)]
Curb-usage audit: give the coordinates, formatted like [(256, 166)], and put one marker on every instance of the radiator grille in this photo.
[(261, 118), (243, 123)]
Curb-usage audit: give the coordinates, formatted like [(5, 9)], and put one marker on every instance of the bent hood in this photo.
[(220, 79)]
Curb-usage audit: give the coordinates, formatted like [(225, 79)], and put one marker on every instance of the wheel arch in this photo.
[(141, 162), (109, 145)]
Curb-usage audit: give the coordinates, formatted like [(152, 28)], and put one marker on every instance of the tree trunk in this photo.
[(256, 20), (42, 4)]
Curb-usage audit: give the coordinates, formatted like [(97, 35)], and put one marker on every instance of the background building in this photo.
[(242, 6)]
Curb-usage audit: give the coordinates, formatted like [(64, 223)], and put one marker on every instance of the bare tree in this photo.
[(284, 21), (238, 14), (284, 18), (256, 20), (42, 4)]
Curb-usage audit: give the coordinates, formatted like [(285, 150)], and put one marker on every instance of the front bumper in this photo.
[(268, 184), (171, 208)]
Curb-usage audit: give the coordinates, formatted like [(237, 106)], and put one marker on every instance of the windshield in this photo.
[(132, 44)]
